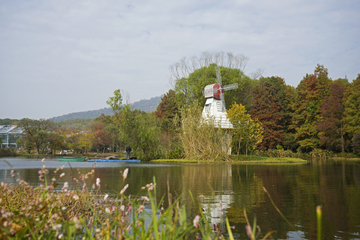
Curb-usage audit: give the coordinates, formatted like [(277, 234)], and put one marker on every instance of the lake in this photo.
[(226, 189)]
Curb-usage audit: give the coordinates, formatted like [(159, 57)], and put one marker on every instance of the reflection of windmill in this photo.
[(215, 103)]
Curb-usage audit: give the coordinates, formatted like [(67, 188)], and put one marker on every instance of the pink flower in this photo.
[(125, 173), (141, 208), (196, 221), (123, 190), (43, 160), (249, 231), (61, 175)]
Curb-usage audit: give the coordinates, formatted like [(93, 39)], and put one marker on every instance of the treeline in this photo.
[(319, 114)]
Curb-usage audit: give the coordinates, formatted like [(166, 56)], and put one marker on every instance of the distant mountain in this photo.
[(143, 105)]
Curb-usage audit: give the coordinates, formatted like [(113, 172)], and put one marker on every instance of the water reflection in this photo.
[(224, 190)]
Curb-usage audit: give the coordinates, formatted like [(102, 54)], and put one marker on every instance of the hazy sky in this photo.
[(58, 57)]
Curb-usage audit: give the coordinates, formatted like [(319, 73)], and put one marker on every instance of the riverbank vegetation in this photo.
[(319, 118), (49, 211)]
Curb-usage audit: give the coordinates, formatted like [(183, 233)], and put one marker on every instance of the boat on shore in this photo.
[(71, 159)]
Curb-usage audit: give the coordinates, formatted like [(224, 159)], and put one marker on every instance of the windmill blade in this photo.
[(230, 86), (217, 69)]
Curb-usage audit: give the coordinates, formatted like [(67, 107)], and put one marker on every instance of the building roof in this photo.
[(10, 129)]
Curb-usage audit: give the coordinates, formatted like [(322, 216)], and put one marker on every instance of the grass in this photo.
[(237, 159)]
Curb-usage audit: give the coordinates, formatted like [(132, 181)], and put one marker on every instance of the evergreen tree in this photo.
[(306, 112)]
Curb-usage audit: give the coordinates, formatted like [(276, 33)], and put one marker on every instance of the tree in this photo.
[(101, 138), (306, 112), (352, 108), (246, 130), (310, 94), (113, 134), (56, 140), (289, 141), (268, 108), (140, 130), (35, 132), (115, 102), (330, 125), (191, 88), (167, 110)]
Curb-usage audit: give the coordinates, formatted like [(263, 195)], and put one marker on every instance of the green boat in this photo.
[(72, 159)]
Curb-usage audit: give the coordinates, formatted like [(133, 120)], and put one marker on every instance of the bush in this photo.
[(8, 152)]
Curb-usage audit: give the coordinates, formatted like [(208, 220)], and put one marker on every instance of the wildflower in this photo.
[(61, 175), (122, 208), (107, 210), (12, 173), (77, 222), (93, 186), (57, 227), (5, 224), (43, 160), (53, 179), (125, 173), (63, 208), (98, 182), (60, 236), (76, 197), (106, 196), (141, 208), (196, 221), (123, 190), (145, 198), (249, 231)]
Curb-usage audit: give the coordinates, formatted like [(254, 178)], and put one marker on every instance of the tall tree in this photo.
[(268, 108), (191, 88), (352, 108), (330, 125), (306, 112), (167, 110)]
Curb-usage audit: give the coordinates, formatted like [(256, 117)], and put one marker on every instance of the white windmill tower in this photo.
[(215, 103)]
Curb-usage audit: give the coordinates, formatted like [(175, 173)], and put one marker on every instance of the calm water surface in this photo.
[(226, 189)]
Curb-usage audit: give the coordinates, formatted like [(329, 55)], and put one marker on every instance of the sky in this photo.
[(64, 56)]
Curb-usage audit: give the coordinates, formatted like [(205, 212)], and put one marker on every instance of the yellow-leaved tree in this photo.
[(248, 133)]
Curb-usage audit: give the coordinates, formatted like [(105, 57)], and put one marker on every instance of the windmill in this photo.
[(215, 103)]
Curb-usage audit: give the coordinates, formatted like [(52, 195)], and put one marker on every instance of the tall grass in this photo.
[(202, 139)]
